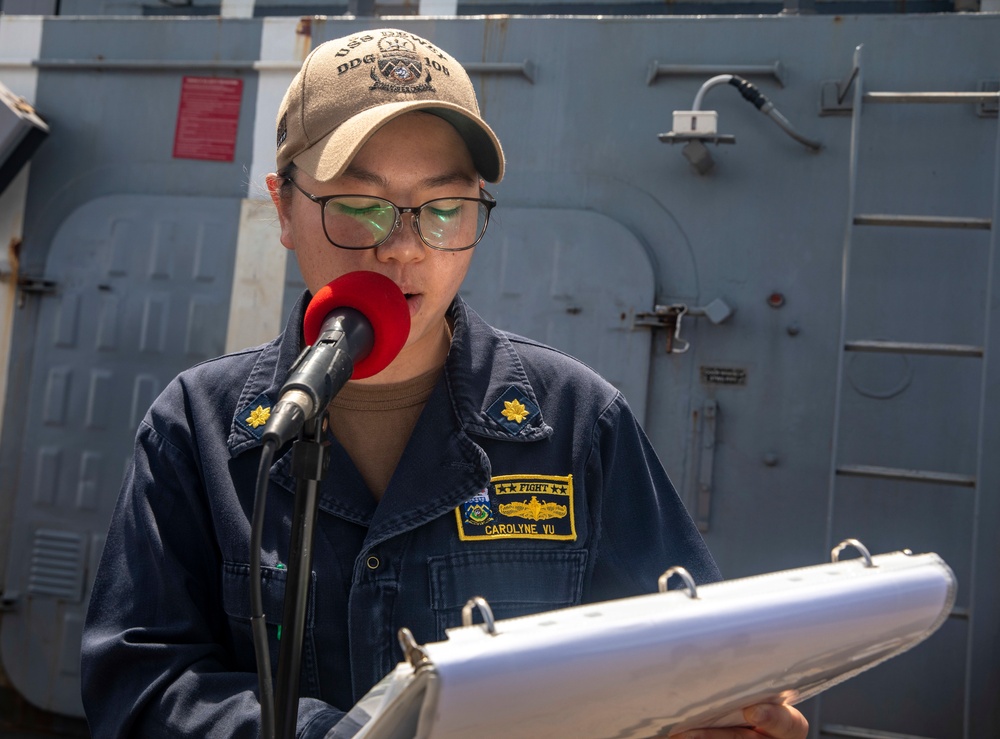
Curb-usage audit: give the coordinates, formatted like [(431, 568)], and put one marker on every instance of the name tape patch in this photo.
[(520, 507)]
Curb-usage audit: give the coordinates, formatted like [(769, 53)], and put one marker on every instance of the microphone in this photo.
[(354, 327)]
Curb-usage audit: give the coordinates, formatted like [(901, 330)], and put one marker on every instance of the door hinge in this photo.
[(36, 286)]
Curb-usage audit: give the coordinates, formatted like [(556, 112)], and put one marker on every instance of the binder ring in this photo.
[(684, 575), (415, 654), (484, 610), (835, 552)]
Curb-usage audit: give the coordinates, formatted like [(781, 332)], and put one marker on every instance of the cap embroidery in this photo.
[(398, 68), (282, 130)]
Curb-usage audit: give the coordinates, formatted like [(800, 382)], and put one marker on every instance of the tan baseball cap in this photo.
[(349, 87)]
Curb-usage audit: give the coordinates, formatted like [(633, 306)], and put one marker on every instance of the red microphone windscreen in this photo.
[(378, 299)]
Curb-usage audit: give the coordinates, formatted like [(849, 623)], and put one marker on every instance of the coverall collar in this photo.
[(480, 368)]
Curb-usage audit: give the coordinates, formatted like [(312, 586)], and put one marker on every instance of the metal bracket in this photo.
[(833, 98), (30, 286), (37, 286), (773, 70), (706, 459), (526, 69), (9, 601), (989, 108), (834, 95), (695, 150), (713, 138), (669, 317)]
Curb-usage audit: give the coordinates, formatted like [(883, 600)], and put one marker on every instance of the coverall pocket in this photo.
[(236, 602), (514, 582)]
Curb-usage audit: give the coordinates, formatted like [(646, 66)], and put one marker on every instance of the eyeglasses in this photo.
[(366, 222)]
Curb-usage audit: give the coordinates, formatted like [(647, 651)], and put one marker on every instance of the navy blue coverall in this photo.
[(527, 480)]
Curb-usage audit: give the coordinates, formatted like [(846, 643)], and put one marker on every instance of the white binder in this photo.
[(648, 665)]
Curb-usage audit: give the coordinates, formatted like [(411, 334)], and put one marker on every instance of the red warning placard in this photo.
[(208, 118)]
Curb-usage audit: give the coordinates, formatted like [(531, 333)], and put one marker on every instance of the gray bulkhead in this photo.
[(782, 430)]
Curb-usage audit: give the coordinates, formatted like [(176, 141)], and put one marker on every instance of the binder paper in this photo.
[(649, 665)]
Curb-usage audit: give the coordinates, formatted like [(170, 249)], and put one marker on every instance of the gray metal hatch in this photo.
[(573, 279), (139, 290)]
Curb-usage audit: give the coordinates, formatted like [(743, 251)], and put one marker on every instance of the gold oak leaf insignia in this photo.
[(259, 416), (513, 410)]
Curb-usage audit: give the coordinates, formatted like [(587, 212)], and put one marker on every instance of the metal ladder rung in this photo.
[(894, 473), (930, 97), (905, 347), (840, 473), (881, 219)]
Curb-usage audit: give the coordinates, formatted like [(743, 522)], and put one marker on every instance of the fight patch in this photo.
[(520, 507)]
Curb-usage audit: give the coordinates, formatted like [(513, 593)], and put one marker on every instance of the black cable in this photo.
[(258, 623), (765, 106), (748, 91)]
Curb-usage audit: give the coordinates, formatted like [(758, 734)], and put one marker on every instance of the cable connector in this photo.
[(749, 91)]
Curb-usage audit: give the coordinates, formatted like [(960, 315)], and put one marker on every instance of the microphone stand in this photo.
[(310, 459)]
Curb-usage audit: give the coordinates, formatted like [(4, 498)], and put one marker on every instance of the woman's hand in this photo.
[(777, 721)]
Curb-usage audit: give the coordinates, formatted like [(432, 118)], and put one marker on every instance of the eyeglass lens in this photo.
[(363, 222)]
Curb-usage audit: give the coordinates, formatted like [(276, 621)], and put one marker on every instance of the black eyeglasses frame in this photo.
[(484, 198)]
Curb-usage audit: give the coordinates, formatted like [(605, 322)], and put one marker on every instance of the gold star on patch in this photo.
[(259, 416), (514, 410)]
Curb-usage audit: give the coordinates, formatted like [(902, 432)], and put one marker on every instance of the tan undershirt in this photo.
[(374, 422)]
